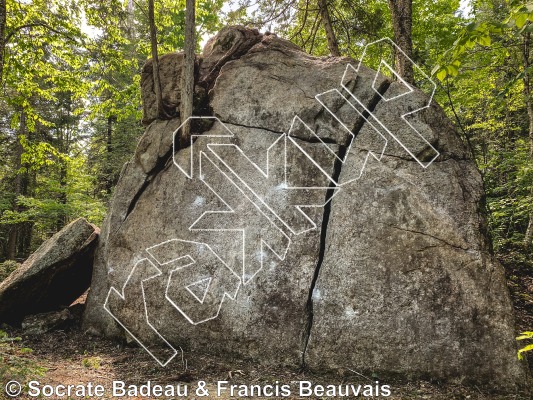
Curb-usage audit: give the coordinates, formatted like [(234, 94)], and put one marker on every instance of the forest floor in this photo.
[(74, 358), (71, 357)]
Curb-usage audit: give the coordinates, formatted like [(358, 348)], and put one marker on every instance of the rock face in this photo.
[(327, 231), (407, 282), (40, 324), (170, 75), (229, 44), (54, 276)]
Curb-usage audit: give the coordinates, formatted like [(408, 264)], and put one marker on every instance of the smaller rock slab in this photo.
[(54, 276), (46, 322)]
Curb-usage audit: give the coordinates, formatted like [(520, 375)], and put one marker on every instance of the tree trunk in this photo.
[(63, 199), (187, 73), (402, 23), (155, 60), (109, 134), (108, 169), (64, 136), (24, 239), (529, 231), (333, 44), (3, 21), (529, 105), (18, 190), (130, 25)]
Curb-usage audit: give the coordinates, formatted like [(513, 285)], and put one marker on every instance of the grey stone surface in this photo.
[(393, 276), (230, 43), (55, 275), (170, 66), (407, 282), (155, 143), (46, 322), (289, 81), (275, 298)]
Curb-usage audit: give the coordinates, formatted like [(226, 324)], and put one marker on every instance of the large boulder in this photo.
[(229, 44), (54, 276), (276, 236), (169, 75), (407, 281)]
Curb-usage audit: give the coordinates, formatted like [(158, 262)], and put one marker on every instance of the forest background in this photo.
[(70, 104)]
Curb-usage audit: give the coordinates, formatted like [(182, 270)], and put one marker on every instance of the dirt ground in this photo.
[(74, 358), (71, 357)]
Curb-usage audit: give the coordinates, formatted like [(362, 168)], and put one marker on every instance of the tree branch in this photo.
[(42, 24)]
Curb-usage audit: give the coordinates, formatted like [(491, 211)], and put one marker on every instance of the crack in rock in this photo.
[(327, 212)]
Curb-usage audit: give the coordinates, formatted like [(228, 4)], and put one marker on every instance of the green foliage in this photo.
[(92, 363), (71, 107), (482, 73), (480, 34), (15, 360), (520, 16), (6, 268), (37, 32), (355, 22)]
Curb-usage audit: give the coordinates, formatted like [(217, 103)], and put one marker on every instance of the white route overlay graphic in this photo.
[(199, 281)]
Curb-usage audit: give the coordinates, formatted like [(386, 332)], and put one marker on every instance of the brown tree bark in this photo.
[(402, 23), (529, 106), (62, 216), (155, 59), (187, 73), (18, 190), (333, 44), (63, 198), (3, 22), (529, 231), (108, 169), (64, 140)]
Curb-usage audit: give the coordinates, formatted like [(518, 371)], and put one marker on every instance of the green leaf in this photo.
[(435, 69), (521, 20), (441, 75), (452, 70), (528, 28), (484, 40)]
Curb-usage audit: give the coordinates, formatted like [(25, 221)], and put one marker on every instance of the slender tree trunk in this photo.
[(529, 105), (3, 21), (131, 33), (130, 20), (402, 23), (18, 190), (187, 73), (155, 60), (529, 231), (64, 137), (62, 217), (109, 134), (24, 239), (333, 44), (108, 170), (26, 230)]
